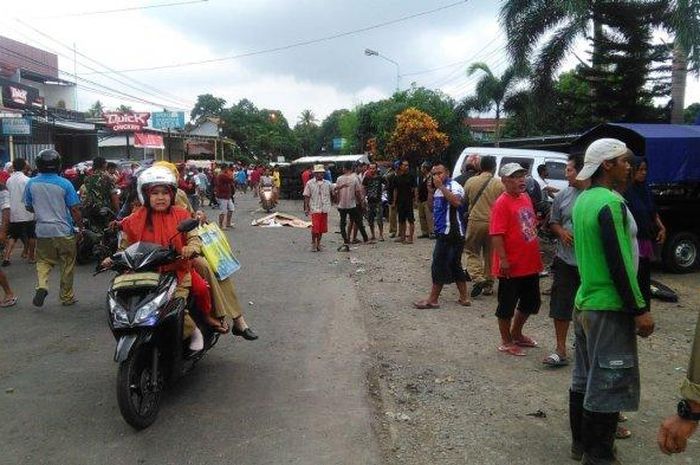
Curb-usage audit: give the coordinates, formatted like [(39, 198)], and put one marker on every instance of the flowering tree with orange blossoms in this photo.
[(416, 137)]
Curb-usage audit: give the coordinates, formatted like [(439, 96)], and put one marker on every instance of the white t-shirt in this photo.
[(15, 187)]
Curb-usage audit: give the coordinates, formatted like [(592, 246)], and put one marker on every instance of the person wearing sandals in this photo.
[(610, 311), (10, 297), (445, 196), (317, 205), (566, 278), (516, 260)]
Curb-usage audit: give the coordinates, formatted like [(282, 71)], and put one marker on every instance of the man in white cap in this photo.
[(317, 204), (610, 310), (516, 260)]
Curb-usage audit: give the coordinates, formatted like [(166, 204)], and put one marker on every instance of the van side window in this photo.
[(523, 161), (556, 170)]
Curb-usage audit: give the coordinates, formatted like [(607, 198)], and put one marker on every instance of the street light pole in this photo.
[(373, 53)]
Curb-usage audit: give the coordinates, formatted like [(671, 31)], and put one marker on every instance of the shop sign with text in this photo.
[(168, 119), (126, 121), (16, 126)]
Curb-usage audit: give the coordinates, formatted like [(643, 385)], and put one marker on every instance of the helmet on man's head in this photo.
[(152, 177), (48, 161)]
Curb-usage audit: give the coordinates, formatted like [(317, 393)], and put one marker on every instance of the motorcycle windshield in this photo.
[(147, 255)]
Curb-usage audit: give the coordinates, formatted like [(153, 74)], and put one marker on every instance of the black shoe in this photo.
[(247, 334), (39, 297), (477, 288), (5, 263), (423, 236), (432, 237)]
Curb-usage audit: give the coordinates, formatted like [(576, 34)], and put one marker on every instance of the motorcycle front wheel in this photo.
[(138, 395)]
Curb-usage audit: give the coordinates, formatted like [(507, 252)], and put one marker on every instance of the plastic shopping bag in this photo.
[(217, 251)]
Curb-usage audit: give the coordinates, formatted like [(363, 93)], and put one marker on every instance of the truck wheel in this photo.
[(680, 254)]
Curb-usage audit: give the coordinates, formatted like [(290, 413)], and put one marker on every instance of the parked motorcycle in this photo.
[(267, 198), (147, 322), (97, 241)]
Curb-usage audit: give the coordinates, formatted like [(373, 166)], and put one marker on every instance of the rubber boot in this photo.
[(576, 423), (598, 433)]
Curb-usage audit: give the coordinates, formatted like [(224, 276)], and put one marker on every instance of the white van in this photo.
[(530, 159)]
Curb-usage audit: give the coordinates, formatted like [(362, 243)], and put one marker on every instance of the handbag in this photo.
[(217, 251)]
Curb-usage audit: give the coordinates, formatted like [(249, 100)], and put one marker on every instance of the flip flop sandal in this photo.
[(425, 305), (9, 302), (526, 342), (622, 433), (512, 350), (555, 361), (466, 303), (622, 418)]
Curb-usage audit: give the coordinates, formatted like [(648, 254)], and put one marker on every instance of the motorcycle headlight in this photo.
[(118, 312), (147, 313)]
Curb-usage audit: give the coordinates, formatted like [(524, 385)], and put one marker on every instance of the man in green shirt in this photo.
[(610, 309)]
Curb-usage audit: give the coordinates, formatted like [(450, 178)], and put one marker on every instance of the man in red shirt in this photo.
[(516, 260), (305, 176), (223, 191)]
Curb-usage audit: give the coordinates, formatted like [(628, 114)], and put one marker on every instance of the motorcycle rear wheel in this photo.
[(138, 398)]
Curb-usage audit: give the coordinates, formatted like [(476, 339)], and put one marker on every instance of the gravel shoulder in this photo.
[(442, 393)]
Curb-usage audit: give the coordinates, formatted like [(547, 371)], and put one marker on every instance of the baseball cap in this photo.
[(599, 151), (319, 169), (509, 169)]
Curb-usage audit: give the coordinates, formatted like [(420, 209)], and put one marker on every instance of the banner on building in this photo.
[(168, 119), (144, 140), (130, 121), (15, 95), (16, 126)]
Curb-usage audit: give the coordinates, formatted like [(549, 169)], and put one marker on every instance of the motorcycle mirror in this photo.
[(187, 225)]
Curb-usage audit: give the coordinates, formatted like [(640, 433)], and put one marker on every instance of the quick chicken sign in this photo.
[(126, 122)]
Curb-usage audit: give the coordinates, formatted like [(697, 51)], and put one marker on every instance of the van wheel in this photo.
[(680, 253)]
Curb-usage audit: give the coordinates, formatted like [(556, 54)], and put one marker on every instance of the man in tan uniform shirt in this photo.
[(481, 192)]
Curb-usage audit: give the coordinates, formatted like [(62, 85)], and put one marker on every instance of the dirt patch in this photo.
[(443, 394)]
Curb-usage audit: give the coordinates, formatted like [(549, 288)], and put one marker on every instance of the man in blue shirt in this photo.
[(446, 197), (56, 206)]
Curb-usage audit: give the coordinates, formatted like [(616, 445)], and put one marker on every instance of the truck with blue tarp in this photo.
[(672, 152)]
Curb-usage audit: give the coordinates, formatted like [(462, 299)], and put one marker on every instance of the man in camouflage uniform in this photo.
[(97, 192)]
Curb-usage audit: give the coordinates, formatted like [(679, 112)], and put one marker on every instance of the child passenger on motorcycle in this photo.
[(156, 221)]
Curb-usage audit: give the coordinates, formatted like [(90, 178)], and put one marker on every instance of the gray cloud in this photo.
[(229, 28)]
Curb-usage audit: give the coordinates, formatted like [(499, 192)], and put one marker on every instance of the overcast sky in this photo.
[(322, 77)]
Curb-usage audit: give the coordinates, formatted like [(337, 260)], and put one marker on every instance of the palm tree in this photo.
[(683, 21), (492, 92), (96, 110), (307, 118), (563, 22)]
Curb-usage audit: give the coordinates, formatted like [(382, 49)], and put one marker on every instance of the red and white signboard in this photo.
[(150, 141), (126, 122)]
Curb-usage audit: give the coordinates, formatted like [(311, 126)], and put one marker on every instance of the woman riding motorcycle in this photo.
[(156, 221), (223, 293)]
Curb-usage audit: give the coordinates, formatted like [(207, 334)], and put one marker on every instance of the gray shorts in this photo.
[(606, 364), (564, 286)]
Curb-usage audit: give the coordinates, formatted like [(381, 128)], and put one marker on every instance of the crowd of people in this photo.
[(606, 227), (46, 213)]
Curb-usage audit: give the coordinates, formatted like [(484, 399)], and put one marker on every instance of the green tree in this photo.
[(492, 92), (96, 110), (124, 108), (330, 129), (307, 118), (207, 105), (683, 21), (417, 137), (691, 113)]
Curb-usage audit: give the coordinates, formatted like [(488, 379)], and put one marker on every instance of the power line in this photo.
[(297, 44), (456, 63), (460, 72), (150, 90), (123, 95), (119, 10)]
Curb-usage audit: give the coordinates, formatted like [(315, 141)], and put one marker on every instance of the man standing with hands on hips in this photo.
[(610, 310)]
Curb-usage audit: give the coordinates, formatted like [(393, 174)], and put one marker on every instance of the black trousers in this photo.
[(356, 217)]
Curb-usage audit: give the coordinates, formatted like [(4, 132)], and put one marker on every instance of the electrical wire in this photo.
[(297, 44), (122, 95), (120, 10), (143, 87)]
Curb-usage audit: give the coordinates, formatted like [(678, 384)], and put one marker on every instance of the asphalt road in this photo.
[(298, 395)]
